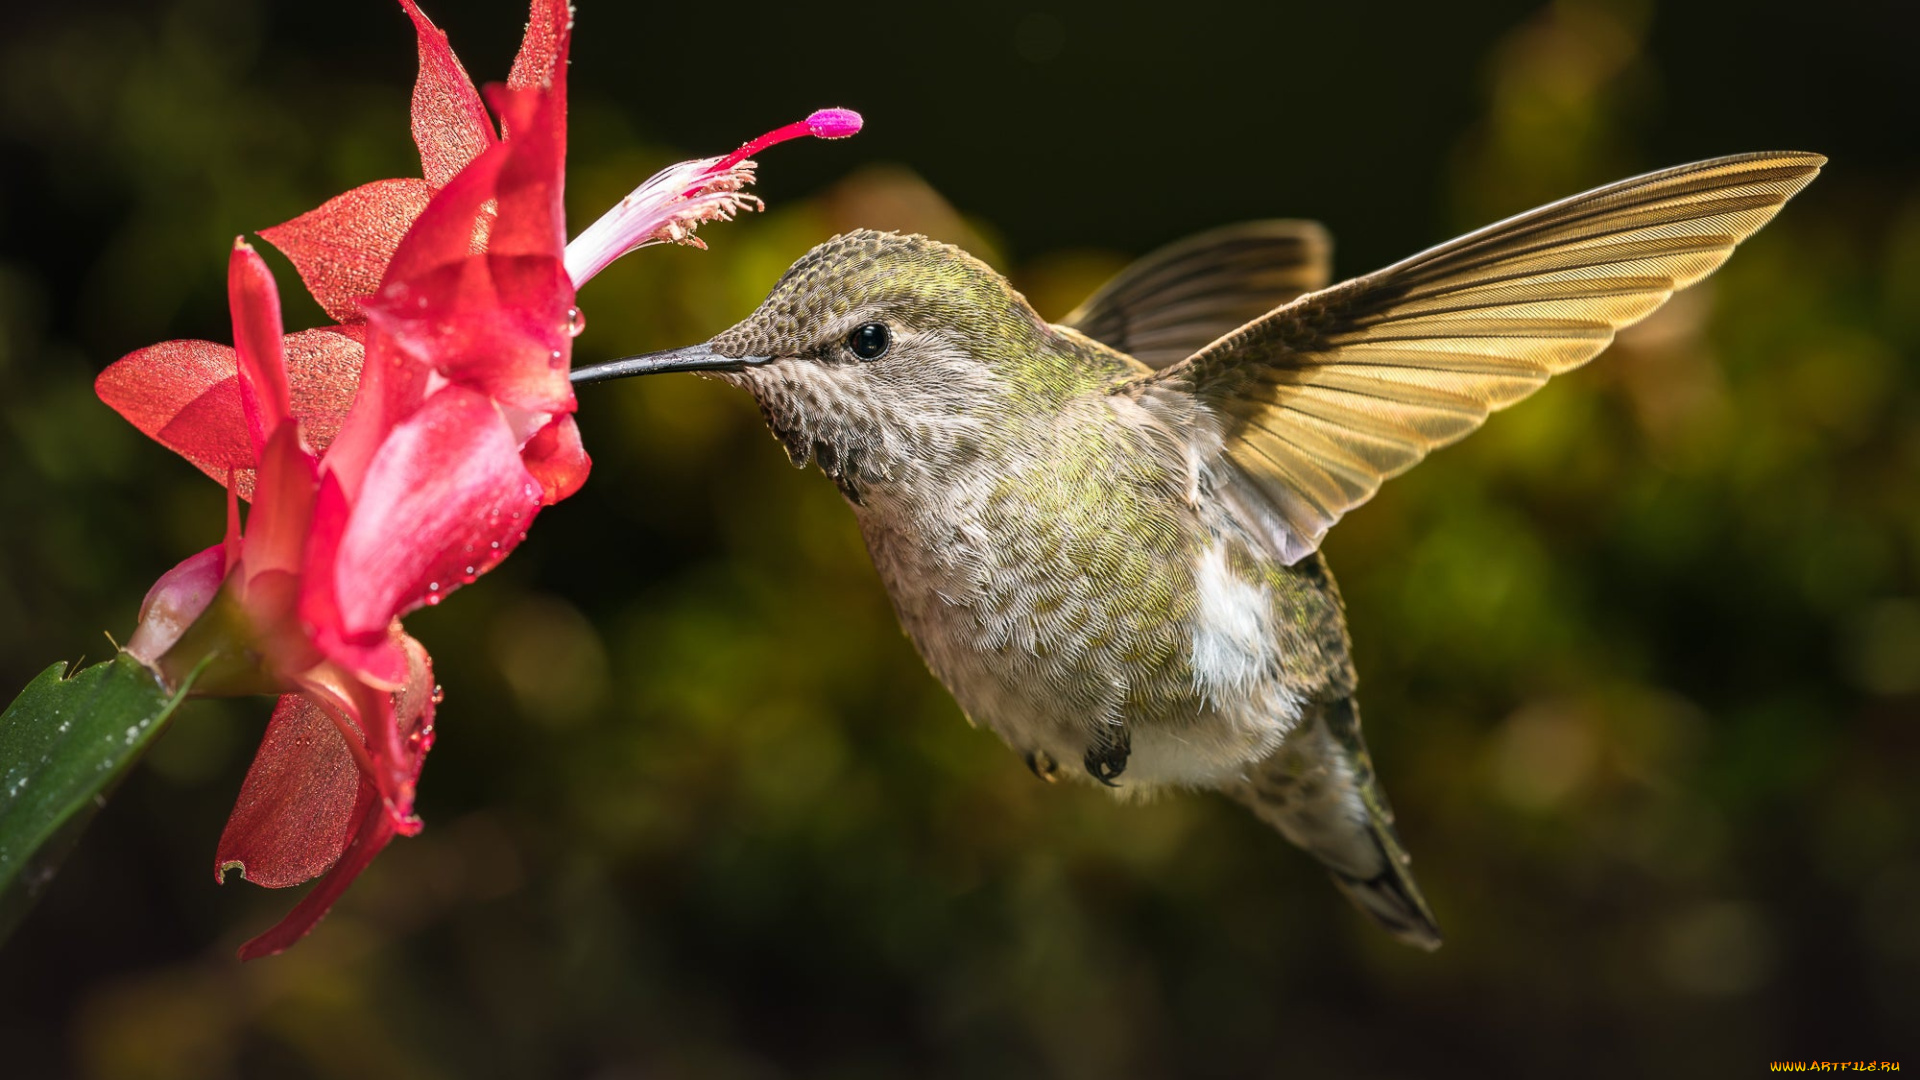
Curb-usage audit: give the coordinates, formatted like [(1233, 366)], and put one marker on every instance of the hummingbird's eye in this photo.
[(870, 341)]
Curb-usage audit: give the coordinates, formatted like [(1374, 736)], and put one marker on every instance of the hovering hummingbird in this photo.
[(1102, 534)]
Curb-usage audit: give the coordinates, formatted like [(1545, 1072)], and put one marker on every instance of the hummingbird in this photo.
[(1102, 534)]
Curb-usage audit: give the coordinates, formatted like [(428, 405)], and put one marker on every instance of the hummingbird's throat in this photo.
[(845, 465)]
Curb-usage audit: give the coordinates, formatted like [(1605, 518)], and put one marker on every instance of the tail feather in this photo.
[(1393, 898), (1319, 791)]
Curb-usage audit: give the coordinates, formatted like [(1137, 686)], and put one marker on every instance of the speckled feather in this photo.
[(1113, 563), (1050, 546)]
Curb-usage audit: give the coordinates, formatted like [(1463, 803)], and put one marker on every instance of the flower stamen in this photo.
[(822, 124), (672, 203)]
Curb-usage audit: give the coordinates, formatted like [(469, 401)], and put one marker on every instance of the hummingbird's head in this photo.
[(880, 356)]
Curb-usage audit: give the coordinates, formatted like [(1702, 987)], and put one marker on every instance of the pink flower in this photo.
[(459, 430), (393, 457), (336, 771), (185, 393)]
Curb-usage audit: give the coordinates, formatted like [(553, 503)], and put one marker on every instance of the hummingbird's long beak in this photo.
[(692, 358)]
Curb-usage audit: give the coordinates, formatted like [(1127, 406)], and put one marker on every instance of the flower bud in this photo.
[(174, 602)]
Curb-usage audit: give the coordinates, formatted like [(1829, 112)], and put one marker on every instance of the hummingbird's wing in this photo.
[(1167, 304), (1325, 398)]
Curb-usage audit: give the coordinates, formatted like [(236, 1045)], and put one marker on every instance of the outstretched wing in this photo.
[(1325, 398), (1169, 304)]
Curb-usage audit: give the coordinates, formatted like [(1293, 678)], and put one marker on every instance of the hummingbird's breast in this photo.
[(1080, 596)]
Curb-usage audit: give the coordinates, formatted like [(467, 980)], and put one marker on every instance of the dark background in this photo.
[(1641, 661)]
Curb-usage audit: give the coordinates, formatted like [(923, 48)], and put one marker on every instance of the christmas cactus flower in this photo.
[(392, 457), (186, 393)]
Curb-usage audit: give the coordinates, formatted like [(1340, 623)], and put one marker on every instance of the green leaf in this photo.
[(63, 742)]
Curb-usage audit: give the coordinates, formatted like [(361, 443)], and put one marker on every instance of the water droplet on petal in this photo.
[(576, 321)]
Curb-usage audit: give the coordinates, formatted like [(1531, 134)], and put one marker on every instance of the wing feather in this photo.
[(1165, 306), (1341, 389)]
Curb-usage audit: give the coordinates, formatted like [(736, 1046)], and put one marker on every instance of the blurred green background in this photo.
[(1640, 661)]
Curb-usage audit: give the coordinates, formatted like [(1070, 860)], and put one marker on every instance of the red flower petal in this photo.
[(211, 431), (392, 385), (446, 231), (543, 50), (342, 248), (255, 303), (556, 458), (534, 111), (292, 832), (150, 386), (444, 498), (284, 489), (297, 806), (370, 657), (531, 218), (375, 831), (155, 386), (495, 323), (232, 545), (323, 372), (186, 396), (501, 321), (450, 124), (412, 726)]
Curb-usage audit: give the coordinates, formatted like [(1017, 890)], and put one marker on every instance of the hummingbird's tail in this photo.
[(1319, 791)]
